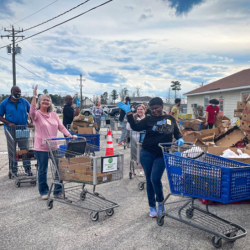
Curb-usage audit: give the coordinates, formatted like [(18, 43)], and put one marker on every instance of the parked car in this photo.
[(114, 111), (88, 111), (58, 109)]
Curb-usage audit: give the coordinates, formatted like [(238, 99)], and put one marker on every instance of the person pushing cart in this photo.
[(159, 128)]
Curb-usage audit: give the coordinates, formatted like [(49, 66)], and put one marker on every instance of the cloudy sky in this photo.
[(145, 43)]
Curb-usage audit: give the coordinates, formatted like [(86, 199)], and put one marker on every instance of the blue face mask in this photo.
[(213, 105), (132, 109), (16, 98)]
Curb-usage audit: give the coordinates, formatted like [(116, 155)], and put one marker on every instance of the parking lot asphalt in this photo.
[(26, 223)]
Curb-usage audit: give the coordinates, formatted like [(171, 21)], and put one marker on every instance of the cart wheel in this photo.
[(110, 212), (17, 183), (190, 213), (130, 175), (216, 244), (82, 196), (94, 216), (231, 235), (160, 220), (141, 185), (33, 183), (10, 175), (50, 204)]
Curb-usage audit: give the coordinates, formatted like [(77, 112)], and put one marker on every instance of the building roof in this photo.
[(238, 80), (141, 99)]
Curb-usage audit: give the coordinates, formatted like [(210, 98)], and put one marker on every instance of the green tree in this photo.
[(114, 95), (176, 86), (123, 93), (45, 91), (104, 98)]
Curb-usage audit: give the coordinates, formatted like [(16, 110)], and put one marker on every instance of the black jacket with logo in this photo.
[(159, 129)]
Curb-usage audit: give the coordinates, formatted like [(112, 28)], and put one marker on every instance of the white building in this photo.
[(228, 91)]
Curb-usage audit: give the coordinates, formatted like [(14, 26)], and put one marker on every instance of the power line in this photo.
[(57, 16), (36, 12), (98, 6), (33, 73)]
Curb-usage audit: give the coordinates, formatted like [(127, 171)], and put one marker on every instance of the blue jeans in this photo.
[(23, 145), (124, 131), (43, 160), (153, 167), (98, 121)]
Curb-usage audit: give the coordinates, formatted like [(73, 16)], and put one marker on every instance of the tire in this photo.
[(82, 196), (231, 235), (217, 244), (110, 212), (50, 204), (130, 175), (160, 221), (94, 216), (10, 175), (86, 113), (190, 213), (141, 185), (33, 183), (17, 183)]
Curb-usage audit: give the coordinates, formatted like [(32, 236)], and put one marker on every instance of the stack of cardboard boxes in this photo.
[(83, 125), (245, 120), (79, 169)]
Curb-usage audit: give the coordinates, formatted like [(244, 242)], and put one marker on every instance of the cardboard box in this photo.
[(241, 105), (199, 143), (248, 106), (245, 116), (194, 124), (229, 138), (209, 134), (86, 130), (222, 120), (248, 147), (192, 136), (245, 125), (238, 113), (219, 151), (87, 177)]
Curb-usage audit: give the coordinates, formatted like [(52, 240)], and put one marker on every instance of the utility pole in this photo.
[(81, 89), (14, 49)]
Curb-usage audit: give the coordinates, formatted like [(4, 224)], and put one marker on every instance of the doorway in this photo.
[(221, 107)]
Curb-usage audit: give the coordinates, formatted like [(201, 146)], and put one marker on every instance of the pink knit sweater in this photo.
[(46, 127)]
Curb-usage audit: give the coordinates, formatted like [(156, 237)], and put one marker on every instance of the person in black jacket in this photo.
[(159, 128), (123, 122), (68, 111)]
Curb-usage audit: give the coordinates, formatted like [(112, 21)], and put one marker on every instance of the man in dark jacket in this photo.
[(123, 122), (68, 111)]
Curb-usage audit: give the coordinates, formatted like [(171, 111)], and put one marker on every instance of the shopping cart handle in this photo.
[(173, 143)]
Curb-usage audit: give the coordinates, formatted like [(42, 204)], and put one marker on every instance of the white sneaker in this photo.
[(141, 174), (44, 197)]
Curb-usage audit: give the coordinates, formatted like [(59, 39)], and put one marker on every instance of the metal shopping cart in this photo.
[(22, 161), (136, 170), (76, 165), (114, 126), (192, 172)]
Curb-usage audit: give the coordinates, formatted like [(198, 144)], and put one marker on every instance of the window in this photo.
[(206, 101), (245, 95)]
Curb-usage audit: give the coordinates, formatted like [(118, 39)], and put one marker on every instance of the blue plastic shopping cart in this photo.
[(194, 173)]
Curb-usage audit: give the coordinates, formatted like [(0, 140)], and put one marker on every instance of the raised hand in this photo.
[(124, 107), (35, 91)]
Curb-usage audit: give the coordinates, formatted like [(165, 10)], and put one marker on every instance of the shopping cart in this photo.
[(194, 173), (76, 166), (136, 170), (114, 126), (93, 139), (22, 161)]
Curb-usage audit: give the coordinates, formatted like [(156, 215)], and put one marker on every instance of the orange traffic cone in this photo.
[(110, 147)]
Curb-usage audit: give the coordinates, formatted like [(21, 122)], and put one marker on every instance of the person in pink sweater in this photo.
[(47, 124)]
